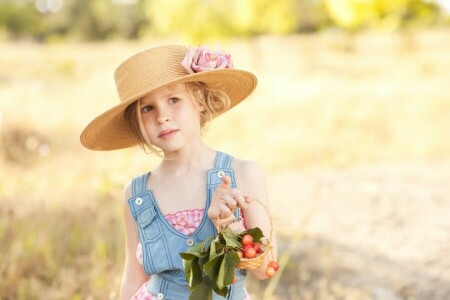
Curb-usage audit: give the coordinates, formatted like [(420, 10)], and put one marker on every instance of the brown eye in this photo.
[(146, 108), (174, 100)]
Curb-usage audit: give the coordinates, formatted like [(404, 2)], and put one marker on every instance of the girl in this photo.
[(167, 95)]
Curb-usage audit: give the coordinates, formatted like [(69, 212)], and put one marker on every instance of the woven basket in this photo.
[(256, 262)]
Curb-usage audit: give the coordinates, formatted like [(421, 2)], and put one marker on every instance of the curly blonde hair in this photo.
[(212, 99)]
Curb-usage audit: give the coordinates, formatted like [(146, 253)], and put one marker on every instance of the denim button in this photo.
[(160, 296), (190, 242), (138, 201), (220, 174)]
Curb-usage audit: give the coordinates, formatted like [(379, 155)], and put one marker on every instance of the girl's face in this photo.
[(171, 117)]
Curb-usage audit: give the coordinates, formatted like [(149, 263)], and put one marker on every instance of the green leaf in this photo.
[(226, 272), (216, 249), (195, 274), (203, 260), (221, 276), (196, 250), (231, 240), (187, 270), (205, 243), (222, 292), (201, 292), (256, 233), (187, 256), (212, 267), (212, 250)]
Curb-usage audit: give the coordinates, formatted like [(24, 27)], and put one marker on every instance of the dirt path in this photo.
[(373, 232)]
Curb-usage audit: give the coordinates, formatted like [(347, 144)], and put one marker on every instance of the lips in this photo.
[(167, 133)]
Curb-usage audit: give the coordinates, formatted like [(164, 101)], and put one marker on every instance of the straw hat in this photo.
[(146, 72)]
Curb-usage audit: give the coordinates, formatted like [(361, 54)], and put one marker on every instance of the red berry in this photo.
[(240, 254), (274, 265), (246, 247), (247, 239), (270, 272), (257, 247), (250, 253)]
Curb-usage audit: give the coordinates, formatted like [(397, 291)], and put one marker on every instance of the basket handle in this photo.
[(218, 226)]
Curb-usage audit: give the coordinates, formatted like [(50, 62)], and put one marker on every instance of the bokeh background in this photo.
[(350, 122)]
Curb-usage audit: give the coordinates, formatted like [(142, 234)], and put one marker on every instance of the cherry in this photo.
[(270, 272), (240, 254), (246, 247), (247, 239), (257, 247), (250, 253), (274, 265)]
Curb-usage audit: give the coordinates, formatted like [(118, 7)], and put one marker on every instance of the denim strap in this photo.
[(139, 184), (222, 161)]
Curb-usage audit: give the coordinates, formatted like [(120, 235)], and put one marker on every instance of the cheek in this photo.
[(147, 120)]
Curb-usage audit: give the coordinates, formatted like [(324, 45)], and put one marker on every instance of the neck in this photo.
[(181, 162)]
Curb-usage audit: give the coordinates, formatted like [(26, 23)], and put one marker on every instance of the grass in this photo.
[(323, 101)]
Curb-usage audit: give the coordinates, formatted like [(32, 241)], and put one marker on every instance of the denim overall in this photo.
[(161, 243)]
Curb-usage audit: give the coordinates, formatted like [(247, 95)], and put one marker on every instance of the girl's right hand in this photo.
[(225, 200)]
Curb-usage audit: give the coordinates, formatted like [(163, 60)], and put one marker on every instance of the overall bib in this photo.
[(161, 243)]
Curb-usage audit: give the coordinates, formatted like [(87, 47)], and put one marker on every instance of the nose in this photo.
[(162, 118)]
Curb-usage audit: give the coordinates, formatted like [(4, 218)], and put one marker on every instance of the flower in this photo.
[(202, 59)]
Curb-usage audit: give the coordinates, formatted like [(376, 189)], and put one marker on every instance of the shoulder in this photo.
[(247, 168), (248, 173), (139, 183), (127, 191)]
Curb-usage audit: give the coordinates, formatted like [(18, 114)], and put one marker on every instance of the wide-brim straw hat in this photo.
[(147, 72)]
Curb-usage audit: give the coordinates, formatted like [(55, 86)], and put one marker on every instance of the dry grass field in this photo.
[(352, 132)]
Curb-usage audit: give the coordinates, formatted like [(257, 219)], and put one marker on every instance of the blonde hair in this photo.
[(212, 99)]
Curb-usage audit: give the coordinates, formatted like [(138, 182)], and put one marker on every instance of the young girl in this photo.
[(167, 95)]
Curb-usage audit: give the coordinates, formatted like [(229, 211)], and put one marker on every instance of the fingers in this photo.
[(214, 212), (226, 182), (242, 200), (226, 199), (230, 202), (225, 211)]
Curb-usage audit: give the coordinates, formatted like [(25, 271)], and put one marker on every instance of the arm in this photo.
[(250, 180), (133, 275)]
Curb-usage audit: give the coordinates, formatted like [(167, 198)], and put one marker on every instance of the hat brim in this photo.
[(111, 131)]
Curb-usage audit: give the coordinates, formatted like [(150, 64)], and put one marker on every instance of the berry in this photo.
[(246, 247), (247, 239), (274, 265), (240, 254), (250, 253), (257, 247), (270, 272)]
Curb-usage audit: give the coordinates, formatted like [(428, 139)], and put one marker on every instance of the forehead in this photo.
[(166, 92)]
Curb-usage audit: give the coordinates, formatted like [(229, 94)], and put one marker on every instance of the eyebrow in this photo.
[(169, 95)]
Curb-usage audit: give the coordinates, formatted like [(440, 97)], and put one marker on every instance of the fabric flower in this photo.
[(202, 59)]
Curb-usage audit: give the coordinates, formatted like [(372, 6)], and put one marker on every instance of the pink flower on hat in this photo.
[(202, 59)]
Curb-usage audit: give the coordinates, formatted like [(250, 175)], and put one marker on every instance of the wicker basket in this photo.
[(256, 262)]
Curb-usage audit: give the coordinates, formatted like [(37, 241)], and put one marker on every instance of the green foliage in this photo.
[(384, 14), (82, 19), (20, 18), (209, 266), (199, 20), (222, 18)]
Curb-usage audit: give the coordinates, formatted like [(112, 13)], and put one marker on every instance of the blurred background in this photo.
[(350, 123)]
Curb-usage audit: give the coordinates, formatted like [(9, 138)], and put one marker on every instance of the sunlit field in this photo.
[(351, 131)]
